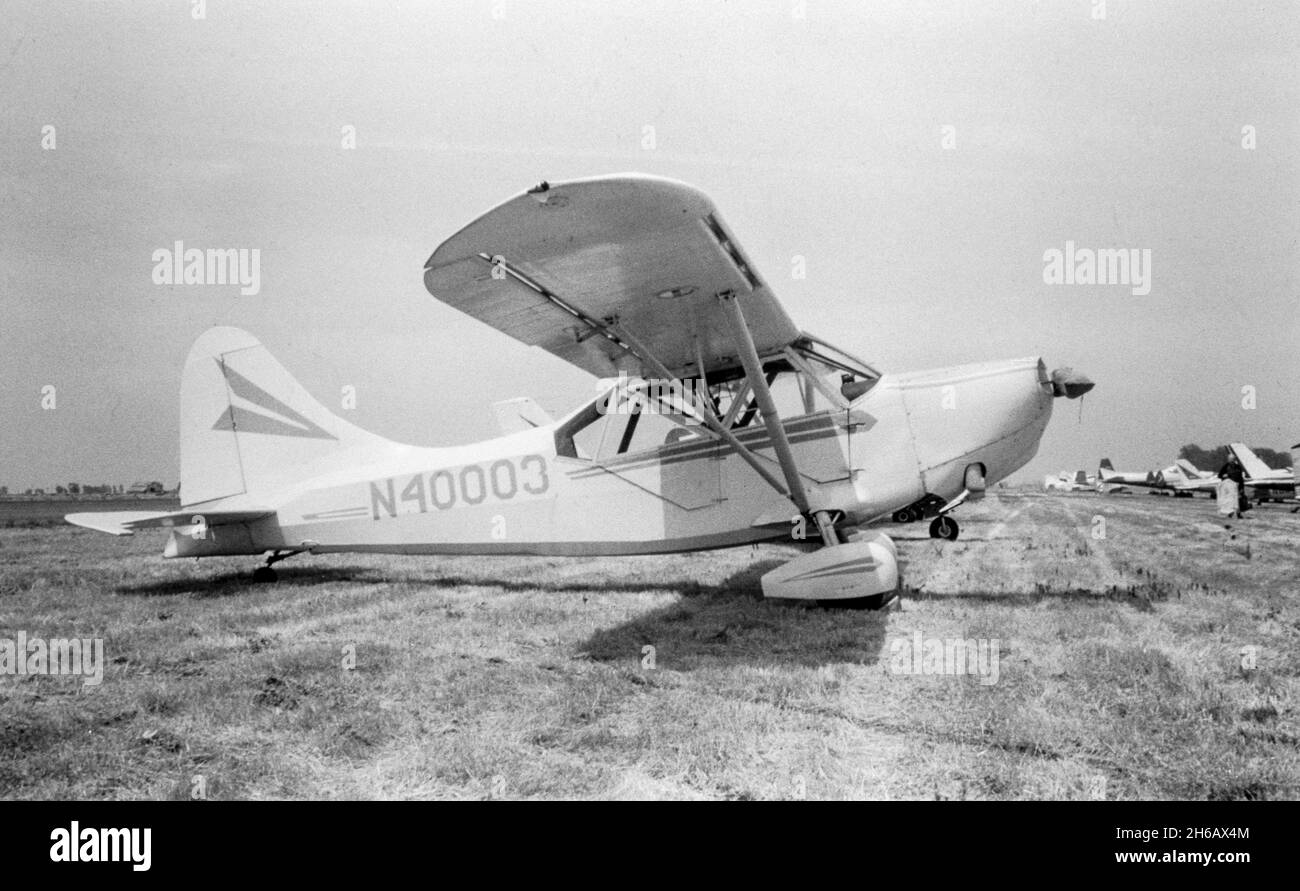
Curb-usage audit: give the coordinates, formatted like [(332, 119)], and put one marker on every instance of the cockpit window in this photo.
[(635, 416), (624, 422)]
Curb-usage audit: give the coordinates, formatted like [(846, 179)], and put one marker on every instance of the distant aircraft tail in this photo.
[(1106, 465), (247, 427), (1193, 472), (1255, 468)]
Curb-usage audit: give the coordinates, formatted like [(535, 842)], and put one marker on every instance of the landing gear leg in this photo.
[(944, 526), (826, 527), (265, 574)]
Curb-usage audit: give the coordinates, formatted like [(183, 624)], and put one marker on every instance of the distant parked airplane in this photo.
[(1107, 473), (1197, 480), (1065, 481), (1264, 482), (1171, 480)]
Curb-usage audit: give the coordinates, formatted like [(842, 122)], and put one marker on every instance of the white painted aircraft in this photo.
[(1196, 480), (1171, 480), (1079, 481), (1264, 482), (1150, 479), (734, 426)]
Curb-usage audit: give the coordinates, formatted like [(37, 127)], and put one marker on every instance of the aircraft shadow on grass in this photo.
[(713, 624), (230, 584), (731, 623)]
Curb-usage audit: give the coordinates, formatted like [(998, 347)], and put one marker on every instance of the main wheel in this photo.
[(944, 527), (264, 575)]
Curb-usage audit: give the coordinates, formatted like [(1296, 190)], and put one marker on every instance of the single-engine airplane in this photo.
[(1106, 473), (1065, 481), (1197, 480), (1172, 480), (1264, 482), (726, 423)]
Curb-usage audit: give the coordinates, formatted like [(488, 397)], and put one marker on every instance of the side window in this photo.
[(627, 426), (586, 441), (580, 437), (651, 429)]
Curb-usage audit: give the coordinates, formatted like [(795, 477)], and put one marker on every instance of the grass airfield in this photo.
[(1121, 672)]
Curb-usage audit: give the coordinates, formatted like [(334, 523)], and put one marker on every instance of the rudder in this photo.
[(1255, 468), (247, 427)]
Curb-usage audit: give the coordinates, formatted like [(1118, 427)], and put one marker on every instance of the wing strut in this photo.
[(754, 373), (621, 337), (593, 326), (709, 418)]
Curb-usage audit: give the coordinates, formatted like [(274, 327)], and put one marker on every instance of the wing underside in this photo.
[(568, 266)]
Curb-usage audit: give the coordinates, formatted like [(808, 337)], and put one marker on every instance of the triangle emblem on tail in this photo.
[(245, 420)]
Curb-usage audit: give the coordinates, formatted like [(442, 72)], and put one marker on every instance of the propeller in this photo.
[(1069, 383)]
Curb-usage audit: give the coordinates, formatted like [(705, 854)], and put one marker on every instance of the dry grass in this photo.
[(1120, 670)]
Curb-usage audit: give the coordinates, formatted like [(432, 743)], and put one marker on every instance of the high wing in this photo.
[(591, 268)]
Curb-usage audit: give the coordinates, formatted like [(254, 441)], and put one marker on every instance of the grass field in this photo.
[(1121, 671)]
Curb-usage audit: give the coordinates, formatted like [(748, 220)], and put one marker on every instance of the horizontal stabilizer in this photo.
[(127, 522)]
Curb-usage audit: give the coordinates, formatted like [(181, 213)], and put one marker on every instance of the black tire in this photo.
[(944, 527), (264, 575)]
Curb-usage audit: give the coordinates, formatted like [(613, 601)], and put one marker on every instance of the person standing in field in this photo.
[(1232, 488)]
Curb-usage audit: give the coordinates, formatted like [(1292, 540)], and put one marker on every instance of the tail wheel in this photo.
[(944, 527)]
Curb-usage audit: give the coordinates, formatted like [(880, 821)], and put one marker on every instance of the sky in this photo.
[(916, 161)]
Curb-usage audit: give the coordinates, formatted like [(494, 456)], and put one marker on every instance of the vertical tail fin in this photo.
[(247, 427), (1255, 468), (1106, 465)]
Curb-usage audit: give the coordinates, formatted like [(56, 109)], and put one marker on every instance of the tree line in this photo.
[(1213, 459)]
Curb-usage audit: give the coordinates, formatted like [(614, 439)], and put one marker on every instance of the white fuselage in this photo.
[(909, 436)]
